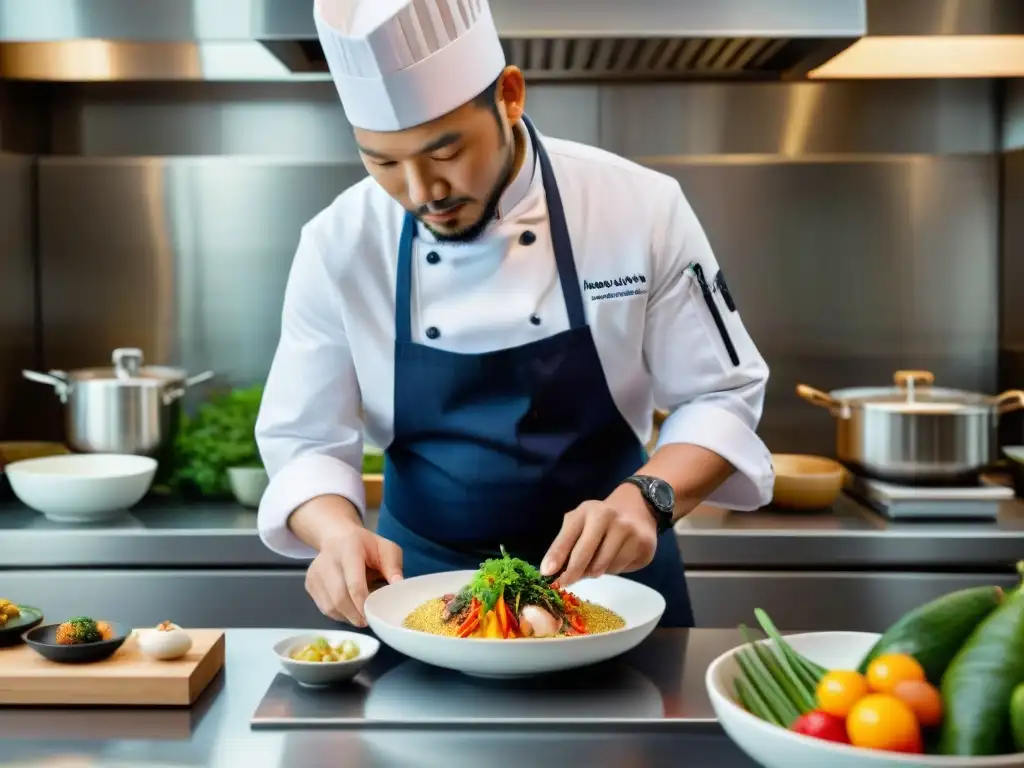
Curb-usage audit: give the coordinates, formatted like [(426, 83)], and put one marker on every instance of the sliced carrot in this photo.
[(501, 610)]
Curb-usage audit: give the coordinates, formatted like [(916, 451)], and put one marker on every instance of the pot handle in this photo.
[(905, 378), (1011, 400), (816, 397), (56, 379), (170, 395)]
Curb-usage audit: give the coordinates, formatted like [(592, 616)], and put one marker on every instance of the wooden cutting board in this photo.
[(125, 679)]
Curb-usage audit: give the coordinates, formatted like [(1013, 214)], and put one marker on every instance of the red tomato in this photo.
[(821, 725)]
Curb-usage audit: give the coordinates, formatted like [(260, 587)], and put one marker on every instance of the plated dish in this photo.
[(80, 639), (394, 612), (508, 599), (15, 620)]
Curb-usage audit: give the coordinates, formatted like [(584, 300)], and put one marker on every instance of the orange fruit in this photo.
[(886, 672), (881, 721), (839, 690), (923, 698)]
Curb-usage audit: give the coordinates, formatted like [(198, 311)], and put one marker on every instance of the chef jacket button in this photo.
[(527, 238), (433, 257), (535, 319), (433, 332)]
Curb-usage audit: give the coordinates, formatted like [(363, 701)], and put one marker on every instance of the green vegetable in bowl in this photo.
[(373, 462), (220, 435)]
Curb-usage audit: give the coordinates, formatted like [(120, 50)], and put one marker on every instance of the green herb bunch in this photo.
[(221, 435), (520, 582)]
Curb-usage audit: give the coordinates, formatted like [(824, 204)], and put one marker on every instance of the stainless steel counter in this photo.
[(847, 568), (173, 534), (217, 731)]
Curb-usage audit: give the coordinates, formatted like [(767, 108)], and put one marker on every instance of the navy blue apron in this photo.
[(493, 449)]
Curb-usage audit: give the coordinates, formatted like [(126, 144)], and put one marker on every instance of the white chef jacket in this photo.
[(633, 234)]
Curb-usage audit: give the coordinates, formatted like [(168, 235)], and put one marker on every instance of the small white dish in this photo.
[(321, 673), (248, 484), (82, 487)]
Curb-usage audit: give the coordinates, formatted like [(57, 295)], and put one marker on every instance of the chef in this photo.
[(503, 312)]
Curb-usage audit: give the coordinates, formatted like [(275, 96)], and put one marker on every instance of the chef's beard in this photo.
[(473, 231)]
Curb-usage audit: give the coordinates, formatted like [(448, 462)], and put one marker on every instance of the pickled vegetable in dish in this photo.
[(8, 611), (322, 651), (509, 599), (83, 629)]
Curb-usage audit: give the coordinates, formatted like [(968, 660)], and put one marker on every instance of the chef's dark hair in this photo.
[(488, 99)]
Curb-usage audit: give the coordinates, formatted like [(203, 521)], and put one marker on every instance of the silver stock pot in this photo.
[(915, 433), (129, 408)]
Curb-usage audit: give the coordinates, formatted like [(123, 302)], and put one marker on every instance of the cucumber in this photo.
[(1017, 717), (980, 681), (934, 632)]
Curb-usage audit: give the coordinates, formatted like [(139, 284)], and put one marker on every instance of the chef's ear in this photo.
[(512, 93)]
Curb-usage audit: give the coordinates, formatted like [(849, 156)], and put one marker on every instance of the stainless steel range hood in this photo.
[(549, 40)]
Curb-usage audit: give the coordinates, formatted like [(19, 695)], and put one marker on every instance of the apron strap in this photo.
[(560, 240), (403, 287)]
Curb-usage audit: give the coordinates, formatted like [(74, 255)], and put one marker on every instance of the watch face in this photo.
[(662, 495)]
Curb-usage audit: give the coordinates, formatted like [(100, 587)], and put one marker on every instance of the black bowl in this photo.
[(11, 632), (43, 641)]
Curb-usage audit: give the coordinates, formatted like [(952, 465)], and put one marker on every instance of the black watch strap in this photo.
[(659, 497)]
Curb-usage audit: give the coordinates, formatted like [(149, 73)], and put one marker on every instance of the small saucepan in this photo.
[(129, 408)]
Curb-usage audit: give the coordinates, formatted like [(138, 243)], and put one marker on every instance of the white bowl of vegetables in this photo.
[(326, 658), (944, 686)]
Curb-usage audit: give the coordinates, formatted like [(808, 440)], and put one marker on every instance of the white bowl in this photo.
[(775, 747), (82, 488), (248, 484), (320, 673), (387, 608)]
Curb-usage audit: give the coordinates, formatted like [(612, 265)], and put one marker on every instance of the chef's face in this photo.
[(451, 172)]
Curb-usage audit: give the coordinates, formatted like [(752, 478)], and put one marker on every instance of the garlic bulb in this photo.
[(165, 642)]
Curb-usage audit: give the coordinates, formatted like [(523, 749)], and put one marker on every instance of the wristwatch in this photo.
[(660, 498)]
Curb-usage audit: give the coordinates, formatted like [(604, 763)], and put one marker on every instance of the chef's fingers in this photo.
[(572, 527), (389, 560), (324, 597), (353, 570), (598, 523), (610, 552), (628, 557)]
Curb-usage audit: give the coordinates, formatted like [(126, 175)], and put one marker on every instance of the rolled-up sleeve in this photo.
[(309, 429), (706, 370)]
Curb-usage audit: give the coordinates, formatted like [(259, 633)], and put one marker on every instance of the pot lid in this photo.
[(128, 369), (913, 393)]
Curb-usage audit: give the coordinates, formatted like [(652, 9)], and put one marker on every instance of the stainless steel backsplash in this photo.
[(858, 223)]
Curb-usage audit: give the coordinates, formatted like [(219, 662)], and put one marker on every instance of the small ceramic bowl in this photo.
[(43, 640), (248, 485), (13, 629), (320, 673)]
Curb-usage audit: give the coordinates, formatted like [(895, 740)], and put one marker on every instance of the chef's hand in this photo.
[(338, 579), (617, 535)]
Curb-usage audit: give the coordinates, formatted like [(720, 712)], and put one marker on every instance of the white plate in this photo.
[(775, 747), (84, 487), (320, 673), (387, 608)]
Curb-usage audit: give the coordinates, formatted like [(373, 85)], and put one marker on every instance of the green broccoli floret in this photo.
[(80, 629)]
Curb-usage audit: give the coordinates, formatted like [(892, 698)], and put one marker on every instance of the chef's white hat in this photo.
[(400, 63)]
